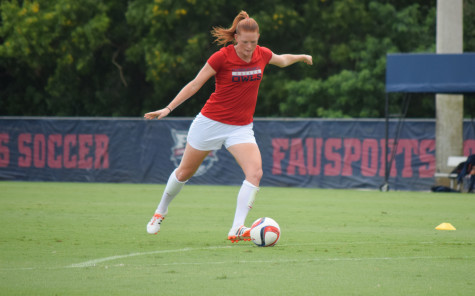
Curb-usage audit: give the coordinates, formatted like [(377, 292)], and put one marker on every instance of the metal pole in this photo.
[(449, 108)]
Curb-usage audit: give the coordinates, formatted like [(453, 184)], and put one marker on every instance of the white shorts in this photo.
[(206, 134)]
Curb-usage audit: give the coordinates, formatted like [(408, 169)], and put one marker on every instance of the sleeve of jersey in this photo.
[(216, 60), (267, 54)]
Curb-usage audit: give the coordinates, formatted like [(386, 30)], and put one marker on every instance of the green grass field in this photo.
[(90, 239)]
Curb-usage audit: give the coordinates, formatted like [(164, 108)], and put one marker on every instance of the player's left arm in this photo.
[(284, 60)]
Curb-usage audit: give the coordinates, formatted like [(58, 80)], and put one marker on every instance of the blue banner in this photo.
[(430, 73), (304, 153)]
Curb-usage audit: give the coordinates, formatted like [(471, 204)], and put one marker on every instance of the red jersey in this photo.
[(237, 83)]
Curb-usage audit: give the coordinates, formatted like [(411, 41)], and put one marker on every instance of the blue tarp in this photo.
[(430, 73), (303, 153)]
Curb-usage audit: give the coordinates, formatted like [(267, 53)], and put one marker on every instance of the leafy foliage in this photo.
[(118, 58)]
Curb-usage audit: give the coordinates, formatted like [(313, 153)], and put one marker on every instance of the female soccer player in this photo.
[(227, 117)]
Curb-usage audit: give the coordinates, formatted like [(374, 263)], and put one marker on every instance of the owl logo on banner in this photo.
[(179, 136)]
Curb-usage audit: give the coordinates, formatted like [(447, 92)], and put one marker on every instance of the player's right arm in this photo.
[(186, 92)]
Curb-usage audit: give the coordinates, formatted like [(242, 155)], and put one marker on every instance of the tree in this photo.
[(118, 58), (469, 46), (350, 43)]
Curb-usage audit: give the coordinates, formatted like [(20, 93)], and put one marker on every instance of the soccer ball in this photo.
[(265, 232)]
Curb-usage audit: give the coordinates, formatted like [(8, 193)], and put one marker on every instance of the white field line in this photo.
[(99, 260), (306, 260), (95, 262)]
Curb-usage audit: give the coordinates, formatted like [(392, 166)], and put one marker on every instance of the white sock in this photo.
[(245, 200), (171, 190)]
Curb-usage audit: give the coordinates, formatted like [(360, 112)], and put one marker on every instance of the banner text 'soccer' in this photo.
[(304, 153)]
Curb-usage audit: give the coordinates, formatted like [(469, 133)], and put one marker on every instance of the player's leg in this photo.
[(249, 159), (191, 161)]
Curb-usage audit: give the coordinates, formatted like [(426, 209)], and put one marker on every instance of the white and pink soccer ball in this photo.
[(265, 232)]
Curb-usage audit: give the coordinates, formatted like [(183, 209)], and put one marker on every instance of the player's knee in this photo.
[(255, 176), (259, 174), (183, 175)]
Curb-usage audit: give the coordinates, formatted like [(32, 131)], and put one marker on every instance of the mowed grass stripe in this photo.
[(334, 242)]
